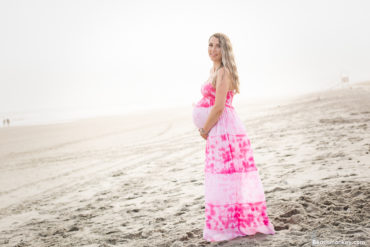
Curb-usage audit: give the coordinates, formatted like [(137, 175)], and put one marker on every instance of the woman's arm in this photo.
[(222, 87)]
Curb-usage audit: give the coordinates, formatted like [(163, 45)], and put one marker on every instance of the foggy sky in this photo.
[(149, 53)]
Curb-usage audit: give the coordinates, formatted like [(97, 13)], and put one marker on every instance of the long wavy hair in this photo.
[(228, 60)]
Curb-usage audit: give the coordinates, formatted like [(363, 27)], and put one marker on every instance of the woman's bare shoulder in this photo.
[(225, 72)]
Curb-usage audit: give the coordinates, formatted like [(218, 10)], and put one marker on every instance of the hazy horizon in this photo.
[(95, 54)]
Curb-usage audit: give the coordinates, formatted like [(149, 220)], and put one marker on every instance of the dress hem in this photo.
[(268, 231)]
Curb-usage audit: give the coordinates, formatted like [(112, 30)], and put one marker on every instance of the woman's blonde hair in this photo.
[(228, 60)]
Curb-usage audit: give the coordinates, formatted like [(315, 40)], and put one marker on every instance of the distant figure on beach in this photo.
[(235, 203), (6, 121)]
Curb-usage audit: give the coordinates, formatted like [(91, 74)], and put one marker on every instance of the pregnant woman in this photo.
[(235, 203)]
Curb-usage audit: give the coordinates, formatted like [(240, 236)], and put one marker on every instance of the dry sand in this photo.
[(138, 180)]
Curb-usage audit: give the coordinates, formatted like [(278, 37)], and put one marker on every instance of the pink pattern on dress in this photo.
[(235, 203)]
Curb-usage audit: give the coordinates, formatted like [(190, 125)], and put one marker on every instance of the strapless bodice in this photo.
[(209, 96)]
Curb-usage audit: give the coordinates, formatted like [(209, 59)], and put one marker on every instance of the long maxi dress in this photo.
[(235, 203)]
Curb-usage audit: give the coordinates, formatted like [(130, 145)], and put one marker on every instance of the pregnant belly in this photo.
[(200, 115)]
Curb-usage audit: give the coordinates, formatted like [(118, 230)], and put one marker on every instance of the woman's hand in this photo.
[(203, 133)]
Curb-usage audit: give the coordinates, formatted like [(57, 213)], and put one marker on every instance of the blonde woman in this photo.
[(235, 203)]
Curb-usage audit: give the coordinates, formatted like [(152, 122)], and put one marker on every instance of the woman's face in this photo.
[(214, 49)]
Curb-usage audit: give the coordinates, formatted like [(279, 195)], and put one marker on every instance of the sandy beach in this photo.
[(137, 180)]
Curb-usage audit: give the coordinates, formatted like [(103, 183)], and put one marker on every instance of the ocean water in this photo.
[(67, 114)]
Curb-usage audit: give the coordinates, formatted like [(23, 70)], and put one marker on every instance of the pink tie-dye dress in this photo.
[(235, 203)]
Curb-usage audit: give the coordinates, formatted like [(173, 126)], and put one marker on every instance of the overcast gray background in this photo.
[(122, 54)]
